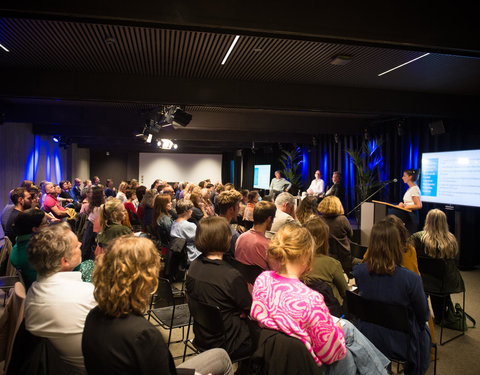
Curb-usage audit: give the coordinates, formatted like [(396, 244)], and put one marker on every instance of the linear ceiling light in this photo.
[(408, 62), (5, 48), (230, 49)]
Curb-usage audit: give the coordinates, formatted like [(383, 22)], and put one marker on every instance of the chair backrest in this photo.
[(433, 268), (249, 272), (207, 316), (388, 315), (163, 297), (337, 251), (357, 250)]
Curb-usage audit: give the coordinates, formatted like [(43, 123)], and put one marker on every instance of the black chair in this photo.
[(357, 250), (337, 251), (210, 319), (249, 272), (434, 272), (388, 315), (166, 312)]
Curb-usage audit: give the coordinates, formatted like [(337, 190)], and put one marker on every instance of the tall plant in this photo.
[(291, 160), (367, 161)]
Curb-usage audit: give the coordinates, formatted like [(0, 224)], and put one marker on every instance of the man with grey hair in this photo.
[(279, 184), (59, 301), (285, 213)]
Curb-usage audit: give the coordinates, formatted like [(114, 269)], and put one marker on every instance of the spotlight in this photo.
[(149, 138), (159, 143), (56, 139), (180, 117), (167, 144), (175, 146)]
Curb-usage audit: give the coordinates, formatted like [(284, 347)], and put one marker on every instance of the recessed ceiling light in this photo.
[(230, 49), (110, 40), (341, 59), (5, 48), (399, 66)]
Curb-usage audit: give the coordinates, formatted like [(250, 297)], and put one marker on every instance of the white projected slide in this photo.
[(261, 176), (179, 167), (451, 177)]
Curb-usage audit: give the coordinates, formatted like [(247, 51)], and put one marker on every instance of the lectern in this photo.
[(370, 214)]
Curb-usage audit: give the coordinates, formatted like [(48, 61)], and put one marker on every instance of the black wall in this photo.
[(117, 165)]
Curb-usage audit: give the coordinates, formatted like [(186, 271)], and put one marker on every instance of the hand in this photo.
[(401, 204)]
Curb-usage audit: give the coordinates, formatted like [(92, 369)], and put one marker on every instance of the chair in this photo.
[(388, 315), (357, 250), (434, 271), (165, 311), (249, 272), (210, 319), (337, 251)]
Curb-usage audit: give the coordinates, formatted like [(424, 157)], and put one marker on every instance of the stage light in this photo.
[(167, 144), (55, 139), (175, 146), (180, 117), (159, 143), (149, 138), (3, 47)]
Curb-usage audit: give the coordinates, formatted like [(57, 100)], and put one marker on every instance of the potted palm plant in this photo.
[(291, 160)]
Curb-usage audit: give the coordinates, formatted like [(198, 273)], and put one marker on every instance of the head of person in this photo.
[(252, 196), (219, 188), (229, 186), (336, 177), (162, 205), (196, 199), (201, 184), (292, 244), (26, 184), (318, 175), (331, 206), (206, 195), (34, 196), (410, 175), (168, 189), (285, 202), (278, 174), (130, 194), (112, 212), (97, 198), (264, 212), (109, 183), (57, 188), (63, 185), (148, 199), (126, 275), (402, 230), (140, 192), (96, 180), (123, 187), (184, 208), (319, 231), (268, 198), (134, 183), (213, 235), (210, 187), (77, 182), (384, 249), (30, 221), (437, 239), (49, 188), (229, 203), (307, 209), (87, 183), (54, 249), (244, 193), (21, 198)]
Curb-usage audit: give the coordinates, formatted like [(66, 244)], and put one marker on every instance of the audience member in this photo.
[(337, 188), (283, 303), (109, 189), (34, 196), (130, 207), (252, 199), (251, 247), (332, 212), (139, 194), (77, 191), (161, 219), (198, 209), (122, 189), (51, 203), (7, 210), (112, 214), (285, 203), (20, 198), (95, 181), (27, 223), (324, 267), (228, 205), (86, 184), (381, 278), (243, 204), (208, 205), (182, 228), (93, 211), (213, 281), (59, 301), (307, 209), (117, 339), (146, 209)]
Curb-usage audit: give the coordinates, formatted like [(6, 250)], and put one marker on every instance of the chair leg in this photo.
[(441, 325)]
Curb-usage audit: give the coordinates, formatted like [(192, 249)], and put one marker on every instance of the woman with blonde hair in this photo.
[(209, 208), (282, 302), (332, 212), (198, 209), (117, 339), (436, 241), (112, 214), (122, 190), (307, 209)]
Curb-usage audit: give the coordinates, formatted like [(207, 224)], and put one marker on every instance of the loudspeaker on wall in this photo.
[(436, 127)]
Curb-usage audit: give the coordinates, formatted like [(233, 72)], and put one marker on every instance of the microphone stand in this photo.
[(370, 196)]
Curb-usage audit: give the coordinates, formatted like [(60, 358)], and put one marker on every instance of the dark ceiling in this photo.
[(95, 72)]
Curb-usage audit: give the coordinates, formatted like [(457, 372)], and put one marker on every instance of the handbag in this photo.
[(456, 318)]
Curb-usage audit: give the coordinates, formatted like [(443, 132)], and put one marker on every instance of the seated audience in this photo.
[(213, 281), (77, 191), (209, 208), (7, 210), (51, 203), (117, 339), (251, 247), (146, 208), (27, 223), (198, 209), (122, 189), (162, 220), (86, 184), (283, 303), (97, 198), (332, 212), (109, 189), (285, 213), (21, 200), (59, 301), (228, 205), (243, 204), (252, 200), (435, 241), (307, 209), (34, 196), (112, 214), (182, 228), (325, 267), (139, 194), (381, 278)]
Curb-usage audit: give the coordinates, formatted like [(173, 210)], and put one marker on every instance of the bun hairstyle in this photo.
[(414, 173), (292, 243)]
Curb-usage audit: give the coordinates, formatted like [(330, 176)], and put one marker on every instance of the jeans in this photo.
[(215, 361), (362, 356)]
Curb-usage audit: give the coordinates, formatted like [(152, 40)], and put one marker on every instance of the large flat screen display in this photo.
[(261, 176), (451, 177)]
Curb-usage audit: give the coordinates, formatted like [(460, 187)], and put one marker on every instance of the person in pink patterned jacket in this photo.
[(283, 303)]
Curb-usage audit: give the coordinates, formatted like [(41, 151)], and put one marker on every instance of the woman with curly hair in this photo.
[(307, 209), (117, 339)]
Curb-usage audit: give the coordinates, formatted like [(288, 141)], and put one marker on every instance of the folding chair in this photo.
[(388, 315), (249, 272), (436, 269), (165, 311)]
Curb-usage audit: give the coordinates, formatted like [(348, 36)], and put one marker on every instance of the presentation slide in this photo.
[(261, 176), (179, 167), (451, 177)]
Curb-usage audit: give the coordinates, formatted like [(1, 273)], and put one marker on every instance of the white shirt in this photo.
[(317, 186), (56, 308), (414, 191)]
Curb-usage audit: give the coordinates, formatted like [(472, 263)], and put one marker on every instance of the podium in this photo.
[(370, 214)]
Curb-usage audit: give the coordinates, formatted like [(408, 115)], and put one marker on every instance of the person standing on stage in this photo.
[(317, 187), (279, 184), (411, 200)]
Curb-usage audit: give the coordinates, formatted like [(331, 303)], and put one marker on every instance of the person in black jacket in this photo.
[(117, 339), (337, 188)]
